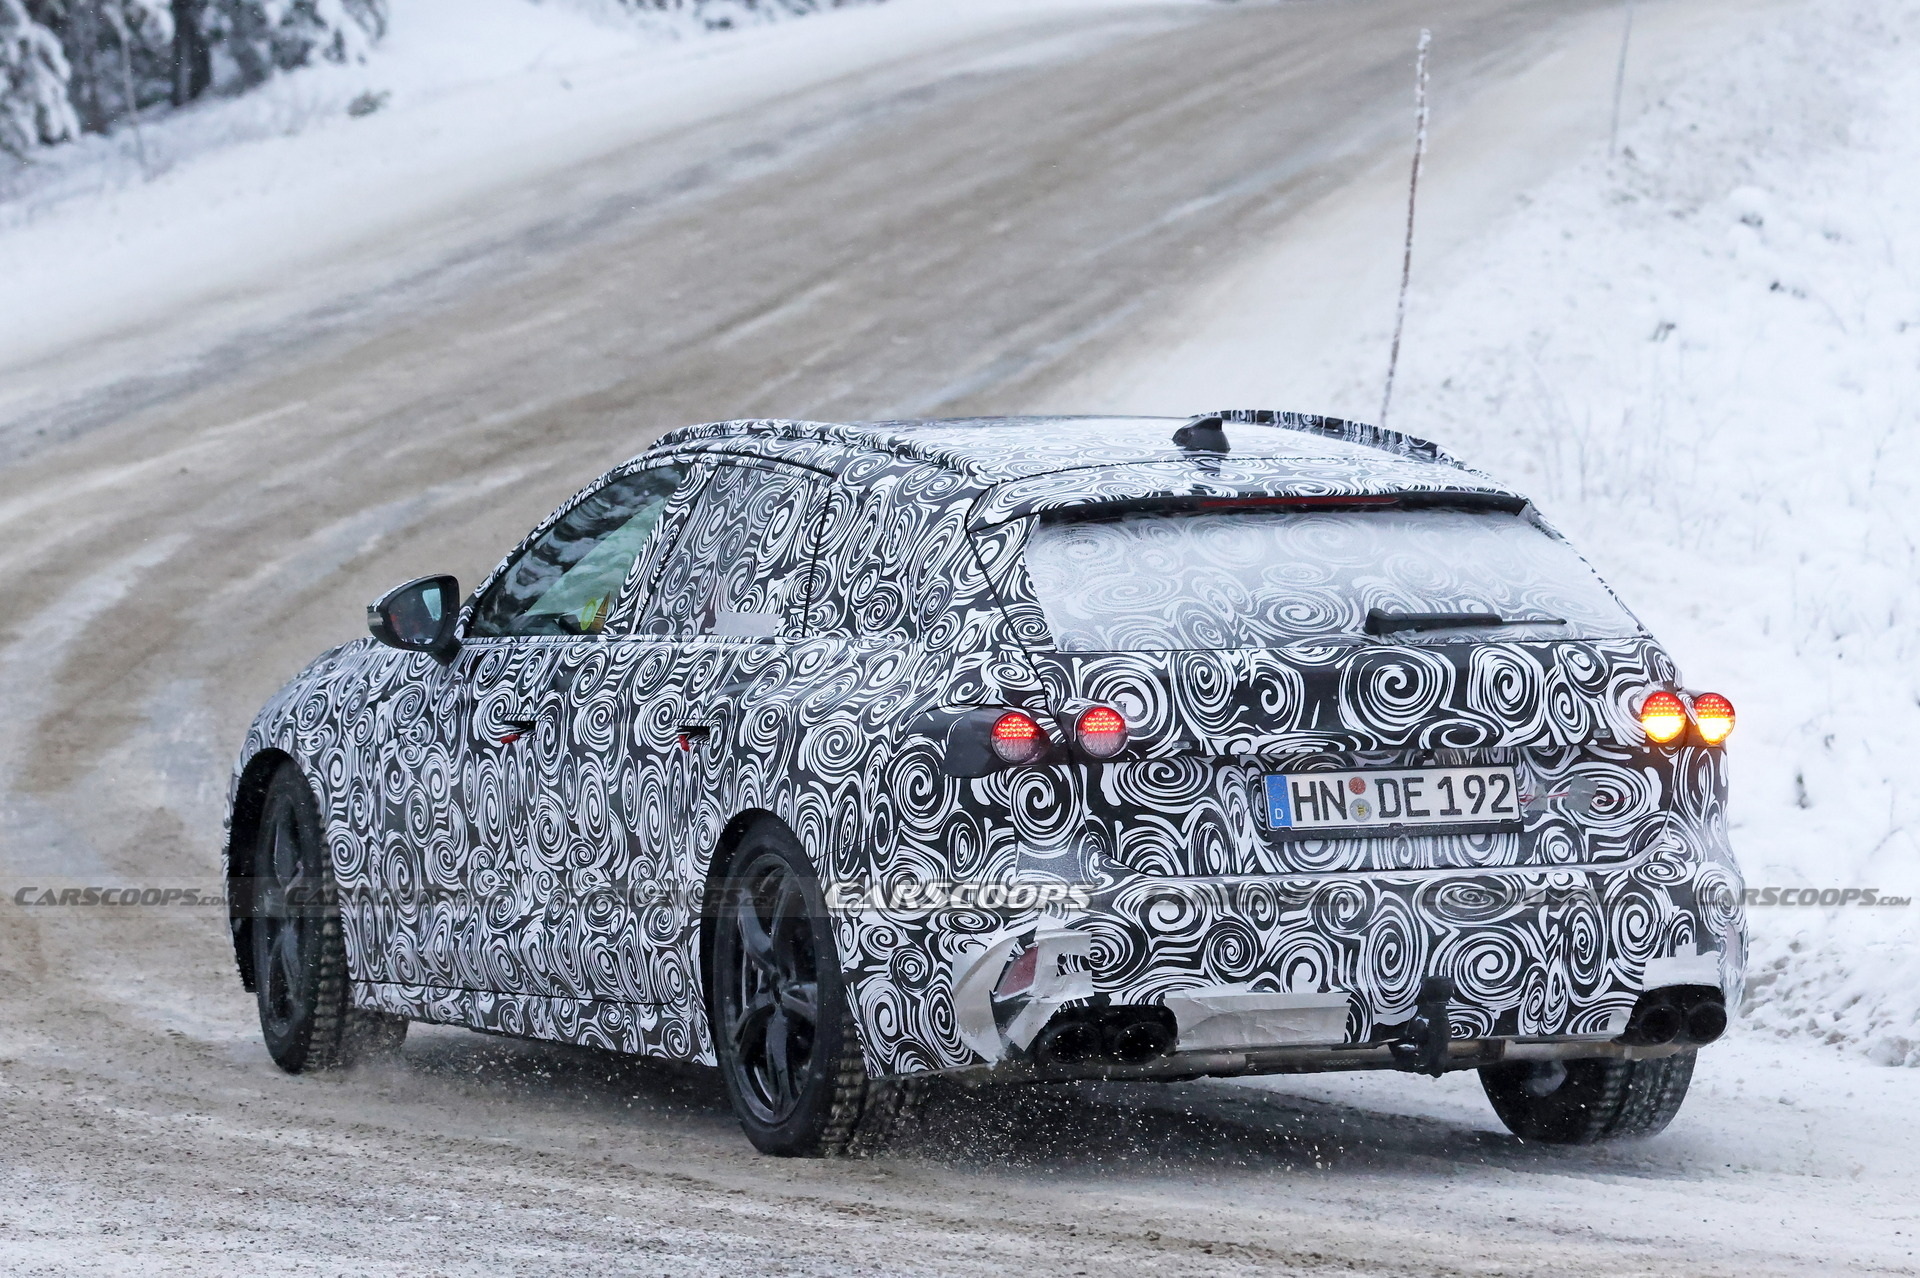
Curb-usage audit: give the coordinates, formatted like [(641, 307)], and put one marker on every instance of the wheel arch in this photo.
[(718, 866), (243, 828)]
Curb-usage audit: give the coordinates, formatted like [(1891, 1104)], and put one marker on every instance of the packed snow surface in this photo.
[(470, 97), (1699, 354)]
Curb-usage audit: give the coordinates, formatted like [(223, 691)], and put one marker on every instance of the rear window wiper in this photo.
[(1382, 622)]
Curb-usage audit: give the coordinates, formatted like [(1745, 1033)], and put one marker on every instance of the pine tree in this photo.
[(118, 54), (192, 63), (34, 74), (262, 36)]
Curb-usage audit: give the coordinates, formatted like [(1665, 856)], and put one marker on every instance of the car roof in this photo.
[(1038, 462)]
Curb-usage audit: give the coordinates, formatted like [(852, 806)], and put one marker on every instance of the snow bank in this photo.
[(1703, 359)]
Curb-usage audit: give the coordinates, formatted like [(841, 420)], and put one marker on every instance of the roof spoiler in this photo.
[(1196, 503), (1201, 434)]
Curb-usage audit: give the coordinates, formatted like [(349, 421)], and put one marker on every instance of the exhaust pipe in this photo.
[(1655, 1022), (1706, 1016), (1138, 1041), (1131, 1035), (1067, 1043), (1693, 1016)]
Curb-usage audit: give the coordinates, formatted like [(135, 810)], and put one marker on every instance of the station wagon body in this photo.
[(1332, 815)]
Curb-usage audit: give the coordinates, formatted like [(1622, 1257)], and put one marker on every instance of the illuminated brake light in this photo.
[(1663, 717), (1102, 732), (1713, 715), (1017, 738)]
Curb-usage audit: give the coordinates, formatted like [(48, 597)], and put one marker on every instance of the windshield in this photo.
[(1263, 579)]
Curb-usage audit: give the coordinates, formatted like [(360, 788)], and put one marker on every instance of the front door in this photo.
[(523, 765)]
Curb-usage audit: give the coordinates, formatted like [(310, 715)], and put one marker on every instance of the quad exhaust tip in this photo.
[(1068, 1043), (1136, 1042), (1118, 1035), (1694, 1015), (1690, 1015), (1706, 1021), (1659, 1024)]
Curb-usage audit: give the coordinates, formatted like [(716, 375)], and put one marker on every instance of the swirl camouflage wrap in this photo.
[(790, 619)]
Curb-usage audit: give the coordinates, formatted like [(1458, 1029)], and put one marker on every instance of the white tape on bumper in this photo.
[(1230, 1018)]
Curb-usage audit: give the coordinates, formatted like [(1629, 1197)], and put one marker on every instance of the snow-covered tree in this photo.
[(119, 53), (259, 37), (34, 73)]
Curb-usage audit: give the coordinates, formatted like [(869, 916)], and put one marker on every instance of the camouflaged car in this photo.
[(844, 757)]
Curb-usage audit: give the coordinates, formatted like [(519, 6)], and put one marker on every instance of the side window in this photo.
[(739, 565), (895, 559), (567, 580)]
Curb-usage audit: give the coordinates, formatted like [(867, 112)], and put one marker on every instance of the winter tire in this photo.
[(1583, 1101), (782, 1025), (299, 955)]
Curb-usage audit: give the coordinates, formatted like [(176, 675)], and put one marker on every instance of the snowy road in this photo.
[(192, 514)]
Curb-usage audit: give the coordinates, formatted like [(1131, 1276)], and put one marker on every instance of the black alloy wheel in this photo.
[(1580, 1102), (782, 1028), (299, 955)]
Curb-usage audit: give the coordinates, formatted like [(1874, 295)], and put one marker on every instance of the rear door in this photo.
[(686, 711)]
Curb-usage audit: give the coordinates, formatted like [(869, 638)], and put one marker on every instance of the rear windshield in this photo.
[(1263, 579)]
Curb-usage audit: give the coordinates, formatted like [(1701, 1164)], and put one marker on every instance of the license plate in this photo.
[(1424, 798)]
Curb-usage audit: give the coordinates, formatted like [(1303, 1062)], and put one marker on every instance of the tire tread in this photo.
[(860, 1114), (339, 1035), (1600, 1100)]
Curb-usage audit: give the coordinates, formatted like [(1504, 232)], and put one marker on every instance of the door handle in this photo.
[(692, 733), (513, 723)]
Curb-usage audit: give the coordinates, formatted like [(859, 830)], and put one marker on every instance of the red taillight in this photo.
[(1713, 715), (1663, 717), (1017, 738), (1102, 732), (1018, 978)]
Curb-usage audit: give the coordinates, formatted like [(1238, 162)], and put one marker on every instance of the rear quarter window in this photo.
[(896, 560)]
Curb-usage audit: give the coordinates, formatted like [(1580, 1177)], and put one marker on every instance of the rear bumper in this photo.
[(1328, 968), (1564, 953), (1461, 1055)]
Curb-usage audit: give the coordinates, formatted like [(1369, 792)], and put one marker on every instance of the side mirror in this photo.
[(418, 617)]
